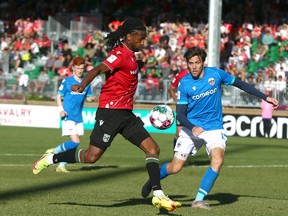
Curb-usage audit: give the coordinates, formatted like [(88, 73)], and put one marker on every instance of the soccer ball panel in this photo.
[(162, 117)]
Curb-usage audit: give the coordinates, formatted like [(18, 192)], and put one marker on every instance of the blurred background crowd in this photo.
[(253, 45)]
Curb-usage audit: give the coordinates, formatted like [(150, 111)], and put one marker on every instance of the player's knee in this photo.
[(216, 165), (155, 150), (91, 159)]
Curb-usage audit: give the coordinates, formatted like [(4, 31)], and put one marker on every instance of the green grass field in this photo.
[(253, 180)]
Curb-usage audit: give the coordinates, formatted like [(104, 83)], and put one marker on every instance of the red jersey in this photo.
[(121, 83), (178, 77)]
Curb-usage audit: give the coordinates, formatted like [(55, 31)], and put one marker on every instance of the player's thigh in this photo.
[(214, 139), (137, 134), (80, 128), (69, 128), (187, 143), (108, 124)]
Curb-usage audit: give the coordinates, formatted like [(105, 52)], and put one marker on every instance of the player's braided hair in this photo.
[(130, 25)]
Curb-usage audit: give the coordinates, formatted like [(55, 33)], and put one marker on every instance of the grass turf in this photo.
[(253, 180)]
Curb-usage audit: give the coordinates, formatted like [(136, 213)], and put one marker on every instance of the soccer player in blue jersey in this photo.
[(199, 110), (71, 110)]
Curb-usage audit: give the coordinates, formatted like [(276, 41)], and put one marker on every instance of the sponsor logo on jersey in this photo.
[(111, 58), (204, 94), (194, 88), (211, 81), (101, 122)]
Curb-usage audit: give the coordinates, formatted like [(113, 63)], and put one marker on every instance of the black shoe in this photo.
[(146, 189)]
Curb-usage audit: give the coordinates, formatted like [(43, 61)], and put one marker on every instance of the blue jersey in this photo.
[(73, 101), (203, 97)]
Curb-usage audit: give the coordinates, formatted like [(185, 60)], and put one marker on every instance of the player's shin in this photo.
[(207, 183), (68, 157)]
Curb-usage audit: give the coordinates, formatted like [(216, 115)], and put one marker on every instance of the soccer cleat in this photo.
[(50, 151), (41, 164), (200, 204), (165, 202), (62, 169), (146, 189)]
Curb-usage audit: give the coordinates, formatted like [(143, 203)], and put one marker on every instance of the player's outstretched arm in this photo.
[(101, 68)]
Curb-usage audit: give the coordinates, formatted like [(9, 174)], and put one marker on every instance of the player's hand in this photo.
[(273, 101), (196, 131), (77, 88), (63, 114)]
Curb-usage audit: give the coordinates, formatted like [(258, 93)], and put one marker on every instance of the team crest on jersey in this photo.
[(111, 58), (211, 81), (106, 138)]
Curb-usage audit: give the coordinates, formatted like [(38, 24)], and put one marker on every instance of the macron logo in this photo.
[(101, 122)]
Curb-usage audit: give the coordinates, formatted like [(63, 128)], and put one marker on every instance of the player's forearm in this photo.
[(182, 116), (249, 89)]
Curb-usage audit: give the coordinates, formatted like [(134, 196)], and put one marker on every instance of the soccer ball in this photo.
[(162, 117)]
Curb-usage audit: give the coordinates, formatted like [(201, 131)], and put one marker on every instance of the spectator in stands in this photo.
[(260, 52), (89, 50), (240, 67), (231, 66), (34, 48), (151, 61), (58, 63), (44, 45), (88, 38), (66, 50), (160, 54), (281, 89), (173, 71), (269, 85), (151, 85), (114, 24), (268, 39), (41, 82), (100, 54), (281, 73), (281, 66), (19, 25), (270, 71), (50, 62)]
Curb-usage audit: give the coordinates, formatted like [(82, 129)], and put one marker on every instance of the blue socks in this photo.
[(68, 145), (163, 171), (206, 184)]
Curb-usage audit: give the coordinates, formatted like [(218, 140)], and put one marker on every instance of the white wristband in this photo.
[(60, 108)]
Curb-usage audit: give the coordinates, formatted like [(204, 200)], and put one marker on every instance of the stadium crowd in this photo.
[(251, 50)]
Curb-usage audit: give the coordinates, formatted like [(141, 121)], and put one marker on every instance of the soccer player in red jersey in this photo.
[(114, 114)]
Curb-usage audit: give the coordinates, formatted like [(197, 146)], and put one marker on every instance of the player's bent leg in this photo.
[(91, 155)]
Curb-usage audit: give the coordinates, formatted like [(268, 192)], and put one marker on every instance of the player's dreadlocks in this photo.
[(130, 25)]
